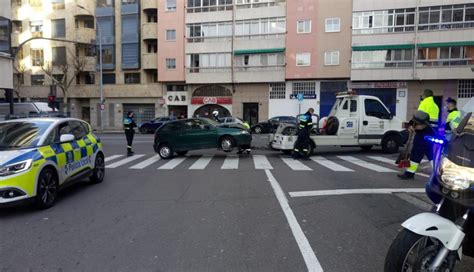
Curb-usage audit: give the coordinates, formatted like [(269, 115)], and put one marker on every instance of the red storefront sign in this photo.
[(201, 100)]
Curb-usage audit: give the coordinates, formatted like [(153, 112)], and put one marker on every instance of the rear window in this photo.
[(170, 127)]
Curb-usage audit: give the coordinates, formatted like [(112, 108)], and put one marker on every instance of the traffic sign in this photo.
[(300, 97)]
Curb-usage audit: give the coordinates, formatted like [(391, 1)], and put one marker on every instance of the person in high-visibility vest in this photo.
[(424, 122), (129, 126), (453, 119), (305, 124)]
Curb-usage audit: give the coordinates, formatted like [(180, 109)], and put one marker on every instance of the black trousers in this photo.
[(129, 136), (302, 142), (421, 147)]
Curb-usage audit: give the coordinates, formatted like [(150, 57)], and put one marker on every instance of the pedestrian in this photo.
[(428, 105), (129, 126), (453, 119), (305, 124), (421, 126)]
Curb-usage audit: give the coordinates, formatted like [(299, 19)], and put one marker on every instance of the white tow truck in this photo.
[(354, 120)]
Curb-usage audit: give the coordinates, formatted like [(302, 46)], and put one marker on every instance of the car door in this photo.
[(374, 121), (173, 134), (198, 134), (348, 122)]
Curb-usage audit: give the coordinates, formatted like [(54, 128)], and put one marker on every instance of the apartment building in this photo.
[(6, 76), (128, 32), (401, 48)]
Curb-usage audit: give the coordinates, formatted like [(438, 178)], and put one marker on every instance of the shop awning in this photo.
[(382, 47), (445, 44), (259, 51)]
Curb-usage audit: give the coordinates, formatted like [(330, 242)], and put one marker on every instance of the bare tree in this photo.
[(18, 77), (69, 69)]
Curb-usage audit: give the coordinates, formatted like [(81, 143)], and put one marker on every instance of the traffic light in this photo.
[(51, 101)]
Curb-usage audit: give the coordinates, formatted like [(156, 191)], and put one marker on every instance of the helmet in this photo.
[(215, 113), (421, 117)]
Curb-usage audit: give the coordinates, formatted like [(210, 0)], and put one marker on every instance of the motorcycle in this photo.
[(437, 240)]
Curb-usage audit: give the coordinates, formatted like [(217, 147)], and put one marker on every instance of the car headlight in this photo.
[(455, 177), (245, 132), (15, 168)]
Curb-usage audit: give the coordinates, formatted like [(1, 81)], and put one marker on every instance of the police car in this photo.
[(39, 156)]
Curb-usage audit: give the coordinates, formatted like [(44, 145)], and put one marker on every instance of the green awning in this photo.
[(445, 44), (382, 47), (259, 51)]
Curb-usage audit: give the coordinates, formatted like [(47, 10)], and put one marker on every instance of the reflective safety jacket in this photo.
[(128, 124), (429, 106), (305, 121), (453, 119)]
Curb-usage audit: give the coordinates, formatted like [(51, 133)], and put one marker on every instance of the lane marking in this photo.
[(202, 162), (330, 164), (172, 164), (389, 161), (125, 161), (295, 164), (356, 192), (261, 162), (231, 162), (109, 158), (309, 257), (368, 165), (415, 201), (146, 163)]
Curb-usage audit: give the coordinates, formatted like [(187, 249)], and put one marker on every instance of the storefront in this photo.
[(207, 99), (177, 103)]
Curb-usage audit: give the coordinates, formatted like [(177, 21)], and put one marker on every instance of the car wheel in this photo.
[(257, 129), (390, 144), (182, 153), (165, 151), (99, 169), (47, 189), (227, 144)]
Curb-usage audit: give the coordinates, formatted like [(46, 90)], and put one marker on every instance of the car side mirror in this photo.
[(65, 138)]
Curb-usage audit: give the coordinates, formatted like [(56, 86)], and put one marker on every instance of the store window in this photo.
[(132, 78)]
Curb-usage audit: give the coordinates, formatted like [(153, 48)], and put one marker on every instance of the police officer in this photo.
[(453, 119), (129, 126), (428, 106), (305, 123)]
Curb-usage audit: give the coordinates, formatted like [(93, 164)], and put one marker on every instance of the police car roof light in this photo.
[(351, 92)]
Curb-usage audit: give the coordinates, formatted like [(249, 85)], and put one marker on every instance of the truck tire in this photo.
[(332, 125), (391, 143)]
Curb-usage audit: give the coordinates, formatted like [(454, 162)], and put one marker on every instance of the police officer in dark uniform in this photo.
[(305, 124), (129, 126)]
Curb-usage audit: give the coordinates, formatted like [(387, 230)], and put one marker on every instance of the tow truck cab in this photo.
[(354, 120)]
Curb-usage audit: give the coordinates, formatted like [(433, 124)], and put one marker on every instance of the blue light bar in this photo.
[(435, 140)]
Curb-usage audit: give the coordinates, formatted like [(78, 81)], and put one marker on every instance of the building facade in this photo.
[(401, 48), (6, 76)]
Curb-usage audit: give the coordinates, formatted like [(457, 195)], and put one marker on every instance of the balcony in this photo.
[(150, 61), (149, 31), (267, 9), (444, 69), (149, 4), (87, 4), (255, 42), (209, 75), (212, 14), (259, 74), (85, 35)]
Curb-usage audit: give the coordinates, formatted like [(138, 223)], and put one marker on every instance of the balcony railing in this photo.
[(209, 39), (194, 70), (409, 64), (382, 64), (444, 63), (260, 4), (267, 36), (267, 68), (209, 9), (445, 26)]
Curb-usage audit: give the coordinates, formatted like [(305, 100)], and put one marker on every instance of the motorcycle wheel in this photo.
[(412, 252)]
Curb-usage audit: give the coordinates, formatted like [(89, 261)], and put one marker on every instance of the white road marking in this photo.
[(415, 201), (109, 158), (202, 162), (389, 161), (309, 257), (295, 164), (368, 165), (125, 161), (172, 164), (231, 162), (146, 163), (422, 175), (331, 165), (261, 162), (356, 191)]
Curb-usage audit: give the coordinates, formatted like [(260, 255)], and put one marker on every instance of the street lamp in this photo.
[(101, 91)]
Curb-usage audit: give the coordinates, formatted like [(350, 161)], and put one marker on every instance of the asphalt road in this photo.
[(213, 211)]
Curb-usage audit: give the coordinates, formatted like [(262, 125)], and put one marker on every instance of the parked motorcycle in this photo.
[(437, 240)]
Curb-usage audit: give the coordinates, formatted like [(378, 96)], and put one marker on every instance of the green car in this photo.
[(191, 134)]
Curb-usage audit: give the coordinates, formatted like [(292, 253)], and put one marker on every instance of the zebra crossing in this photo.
[(346, 163)]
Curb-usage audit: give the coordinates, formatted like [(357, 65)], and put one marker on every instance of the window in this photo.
[(171, 64), (331, 58), (37, 80), (105, 3), (130, 56), (152, 46), (36, 28), (172, 127), (58, 55), (37, 57), (333, 25), (382, 59), (107, 55), (128, 2), (132, 78), (77, 129), (36, 3), (194, 124), (176, 88), (171, 35), (170, 5), (152, 16), (466, 89), (383, 21), (307, 88), (58, 28), (58, 77), (108, 78), (375, 109), (5, 35), (58, 4), (17, 27), (353, 105), (278, 90), (303, 26), (303, 59)]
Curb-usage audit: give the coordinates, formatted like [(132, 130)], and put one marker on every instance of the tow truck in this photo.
[(354, 120)]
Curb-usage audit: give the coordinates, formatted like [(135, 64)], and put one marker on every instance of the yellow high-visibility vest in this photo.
[(453, 119), (429, 106)]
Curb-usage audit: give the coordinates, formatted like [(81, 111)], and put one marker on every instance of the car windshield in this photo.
[(15, 135), (212, 122)]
